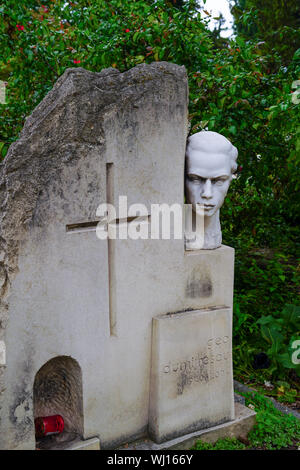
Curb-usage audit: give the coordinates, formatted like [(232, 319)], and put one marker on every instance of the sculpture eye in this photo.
[(218, 182), (196, 179), (193, 178)]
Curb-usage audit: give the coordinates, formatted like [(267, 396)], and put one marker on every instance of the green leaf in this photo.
[(271, 333), (291, 315), (136, 36), (265, 320), (232, 130), (285, 361)]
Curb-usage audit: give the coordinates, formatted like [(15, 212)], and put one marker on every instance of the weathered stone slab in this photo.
[(191, 375), (64, 292)]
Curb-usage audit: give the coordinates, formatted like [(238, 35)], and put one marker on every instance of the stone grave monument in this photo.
[(126, 337)]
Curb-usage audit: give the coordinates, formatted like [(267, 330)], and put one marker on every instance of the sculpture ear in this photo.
[(235, 150), (234, 155)]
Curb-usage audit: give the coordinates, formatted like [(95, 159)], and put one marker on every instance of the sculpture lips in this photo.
[(199, 204)]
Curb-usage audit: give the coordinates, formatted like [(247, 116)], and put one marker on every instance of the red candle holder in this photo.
[(47, 425)]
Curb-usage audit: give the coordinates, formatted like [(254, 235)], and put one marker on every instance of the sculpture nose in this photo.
[(207, 190)]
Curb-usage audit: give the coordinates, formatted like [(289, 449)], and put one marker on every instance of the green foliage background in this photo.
[(242, 88), (277, 22)]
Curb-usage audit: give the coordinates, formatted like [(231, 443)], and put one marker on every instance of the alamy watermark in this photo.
[(163, 221), (2, 92), (296, 353), (2, 353), (296, 94)]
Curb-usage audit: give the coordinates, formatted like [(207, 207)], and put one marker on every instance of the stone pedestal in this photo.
[(209, 278), (191, 376), (191, 381)]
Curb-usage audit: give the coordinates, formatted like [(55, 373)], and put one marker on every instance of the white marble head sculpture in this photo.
[(210, 164)]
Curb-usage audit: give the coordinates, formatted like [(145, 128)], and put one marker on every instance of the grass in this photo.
[(273, 430)]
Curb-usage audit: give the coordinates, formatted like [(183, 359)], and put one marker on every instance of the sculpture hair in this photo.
[(208, 142)]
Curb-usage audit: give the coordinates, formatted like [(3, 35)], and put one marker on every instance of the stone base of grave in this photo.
[(89, 444), (244, 421), (76, 444)]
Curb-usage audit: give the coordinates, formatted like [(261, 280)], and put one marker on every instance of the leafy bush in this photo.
[(280, 334)]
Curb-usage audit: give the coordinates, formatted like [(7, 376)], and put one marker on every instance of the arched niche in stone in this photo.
[(57, 389)]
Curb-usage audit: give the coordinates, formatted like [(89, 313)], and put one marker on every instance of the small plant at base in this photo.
[(273, 430), (221, 444)]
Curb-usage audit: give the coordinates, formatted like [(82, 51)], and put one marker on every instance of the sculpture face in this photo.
[(209, 162), (207, 182)]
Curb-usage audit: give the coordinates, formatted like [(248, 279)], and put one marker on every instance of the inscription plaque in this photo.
[(191, 372)]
